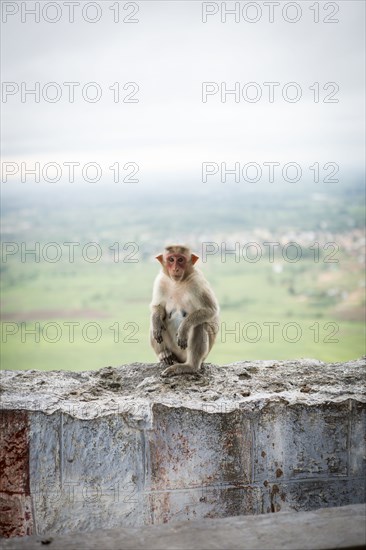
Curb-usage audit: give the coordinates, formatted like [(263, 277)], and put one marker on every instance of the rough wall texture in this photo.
[(123, 447), (15, 499)]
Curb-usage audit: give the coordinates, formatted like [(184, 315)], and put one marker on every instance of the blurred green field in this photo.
[(109, 306), (318, 307)]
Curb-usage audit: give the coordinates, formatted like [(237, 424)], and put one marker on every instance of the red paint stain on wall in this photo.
[(15, 502)]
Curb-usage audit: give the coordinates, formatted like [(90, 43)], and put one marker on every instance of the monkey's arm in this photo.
[(198, 317), (157, 322), (157, 308)]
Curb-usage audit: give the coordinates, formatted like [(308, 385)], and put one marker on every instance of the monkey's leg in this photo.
[(197, 351), (164, 351), (167, 357)]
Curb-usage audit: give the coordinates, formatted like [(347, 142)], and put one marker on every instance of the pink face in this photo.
[(176, 265)]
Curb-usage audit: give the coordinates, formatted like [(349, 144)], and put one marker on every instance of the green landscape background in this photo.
[(326, 299)]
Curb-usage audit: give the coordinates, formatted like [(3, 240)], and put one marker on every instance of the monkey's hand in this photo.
[(182, 337), (158, 328)]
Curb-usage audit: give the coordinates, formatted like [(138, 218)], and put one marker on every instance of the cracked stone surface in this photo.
[(133, 388)]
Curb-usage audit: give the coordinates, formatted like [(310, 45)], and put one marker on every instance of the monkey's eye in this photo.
[(180, 260), (171, 260)]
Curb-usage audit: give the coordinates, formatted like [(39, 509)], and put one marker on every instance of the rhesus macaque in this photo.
[(184, 313)]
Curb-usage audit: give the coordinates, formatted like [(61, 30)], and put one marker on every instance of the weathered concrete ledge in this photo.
[(123, 447), (324, 529)]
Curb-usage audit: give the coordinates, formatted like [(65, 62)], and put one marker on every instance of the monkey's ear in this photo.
[(194, 258), (160, 258)]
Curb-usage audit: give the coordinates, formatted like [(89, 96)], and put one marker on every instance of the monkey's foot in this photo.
[(179, 368), (168, 358)]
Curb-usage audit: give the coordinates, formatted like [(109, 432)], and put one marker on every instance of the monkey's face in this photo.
[(176, 266)]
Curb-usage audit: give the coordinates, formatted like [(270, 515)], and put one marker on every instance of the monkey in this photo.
[(184, 313)]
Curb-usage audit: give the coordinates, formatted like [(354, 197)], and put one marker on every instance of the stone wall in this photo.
[(124, 447)]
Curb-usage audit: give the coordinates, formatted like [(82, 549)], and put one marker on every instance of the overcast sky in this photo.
[(169, 53)]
